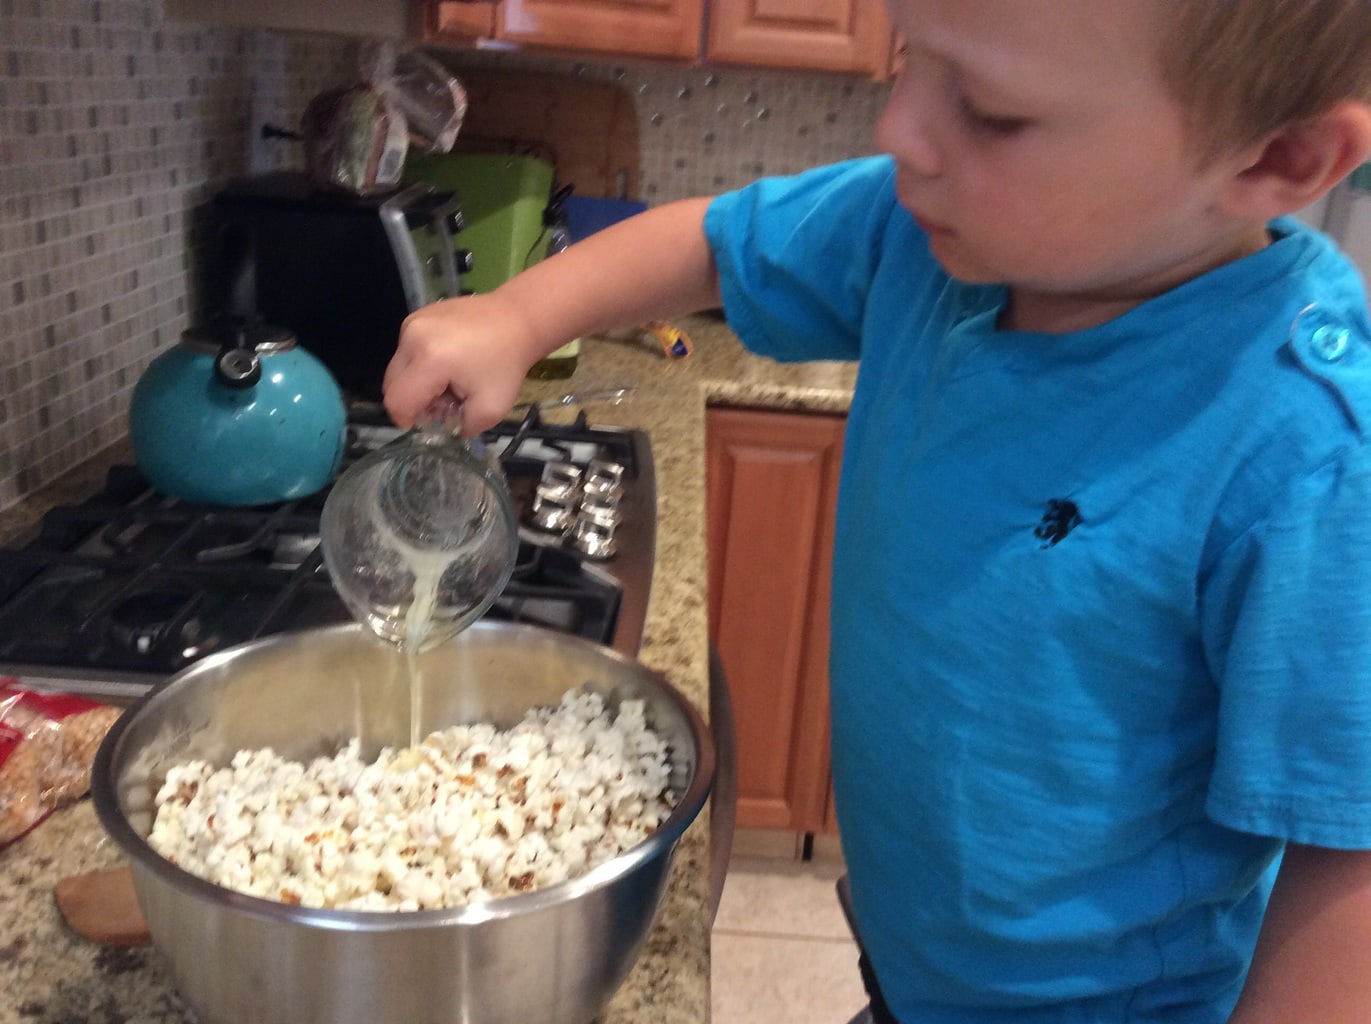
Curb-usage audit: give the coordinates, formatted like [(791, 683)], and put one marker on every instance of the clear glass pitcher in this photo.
[(420, 536)]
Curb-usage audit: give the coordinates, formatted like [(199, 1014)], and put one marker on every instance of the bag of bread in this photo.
[(355, 140), (47, 744), (357, 136)]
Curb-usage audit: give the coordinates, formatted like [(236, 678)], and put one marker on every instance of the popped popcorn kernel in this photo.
[(471, 813)]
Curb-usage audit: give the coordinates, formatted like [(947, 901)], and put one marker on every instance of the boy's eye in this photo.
[(991, 124)]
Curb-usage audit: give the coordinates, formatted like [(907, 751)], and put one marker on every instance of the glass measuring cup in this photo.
[(420, 536)]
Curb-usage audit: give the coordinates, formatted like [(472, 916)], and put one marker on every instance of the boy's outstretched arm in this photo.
[(1313, 960), (655, 265)]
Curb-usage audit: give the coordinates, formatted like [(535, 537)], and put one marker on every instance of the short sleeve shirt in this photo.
[(1101, 627)]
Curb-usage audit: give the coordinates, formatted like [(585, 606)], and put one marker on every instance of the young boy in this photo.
[(1101, 669)]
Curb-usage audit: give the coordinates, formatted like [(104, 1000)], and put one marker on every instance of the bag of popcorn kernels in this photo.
[(47, 744)]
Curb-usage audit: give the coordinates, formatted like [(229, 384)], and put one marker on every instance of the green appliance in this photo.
[(503, 198)]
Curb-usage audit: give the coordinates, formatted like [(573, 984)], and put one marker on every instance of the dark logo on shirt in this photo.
[(1062, 516)]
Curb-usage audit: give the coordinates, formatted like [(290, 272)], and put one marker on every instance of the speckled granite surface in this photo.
[(50, 976)]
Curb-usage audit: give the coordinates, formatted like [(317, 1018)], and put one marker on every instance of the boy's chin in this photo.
[(968, 273), (957, 263)]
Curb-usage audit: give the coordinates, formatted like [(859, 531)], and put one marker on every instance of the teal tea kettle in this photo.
[(237, 413)]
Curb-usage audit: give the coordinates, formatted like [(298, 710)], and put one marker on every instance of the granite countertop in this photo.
[(48, 975)]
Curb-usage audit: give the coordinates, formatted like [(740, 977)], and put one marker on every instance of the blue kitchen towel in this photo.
[(586, 215)]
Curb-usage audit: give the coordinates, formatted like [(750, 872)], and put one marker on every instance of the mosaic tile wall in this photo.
[(117, 125), (706, 130)]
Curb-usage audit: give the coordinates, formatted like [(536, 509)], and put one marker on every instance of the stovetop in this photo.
[(120, 591)]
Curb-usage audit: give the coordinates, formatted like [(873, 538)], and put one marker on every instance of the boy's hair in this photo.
[(1244, 68)]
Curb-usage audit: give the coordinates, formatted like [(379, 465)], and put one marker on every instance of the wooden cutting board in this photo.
[(587, 130), (101, 906)]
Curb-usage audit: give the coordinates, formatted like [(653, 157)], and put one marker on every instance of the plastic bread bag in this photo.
[(355, 140), (357, 136), (432, 99), (47, 744)]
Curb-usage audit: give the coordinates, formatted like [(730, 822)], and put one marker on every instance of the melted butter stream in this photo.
[(427, 567), (428, 573)]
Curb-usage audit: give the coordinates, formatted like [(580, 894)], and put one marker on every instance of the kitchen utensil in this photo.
[(613, 396), (420, 536), (102, 906), (237, 414), (554, 955)]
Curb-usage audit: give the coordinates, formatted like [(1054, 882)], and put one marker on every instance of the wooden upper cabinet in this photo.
[(825, 35), (816, 35), (456, 20), (648, 28)]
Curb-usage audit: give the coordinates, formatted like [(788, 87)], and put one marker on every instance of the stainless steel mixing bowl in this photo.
[(554, 955)]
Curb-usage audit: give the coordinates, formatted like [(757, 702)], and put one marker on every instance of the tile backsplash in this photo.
[(705, 130), (116, 125)]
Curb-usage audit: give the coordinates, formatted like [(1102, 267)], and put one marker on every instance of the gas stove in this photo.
[(117, 593)]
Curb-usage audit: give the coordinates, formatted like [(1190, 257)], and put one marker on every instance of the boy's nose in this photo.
[(903, 128)]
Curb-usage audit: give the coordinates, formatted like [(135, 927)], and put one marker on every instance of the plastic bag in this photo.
[(433, 101), (355, 140), (357, 136), (47, 744)]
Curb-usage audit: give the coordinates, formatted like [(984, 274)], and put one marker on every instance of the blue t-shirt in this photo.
[(1101, 605)]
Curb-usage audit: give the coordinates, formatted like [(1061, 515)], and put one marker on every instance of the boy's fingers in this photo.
[(406, 394)]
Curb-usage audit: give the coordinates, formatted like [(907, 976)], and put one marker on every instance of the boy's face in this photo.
[(1039, 146)]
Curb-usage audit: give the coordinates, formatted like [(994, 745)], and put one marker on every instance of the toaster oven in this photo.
[(339, 271)]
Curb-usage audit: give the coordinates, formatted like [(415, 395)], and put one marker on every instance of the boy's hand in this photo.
[(474, 347), (657, 264)]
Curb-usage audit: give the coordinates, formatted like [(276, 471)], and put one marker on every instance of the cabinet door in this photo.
[(459, 20), (653, 28), (772, 484), (826, 35)]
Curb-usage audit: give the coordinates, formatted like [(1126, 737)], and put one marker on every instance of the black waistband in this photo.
[(880, 1012)]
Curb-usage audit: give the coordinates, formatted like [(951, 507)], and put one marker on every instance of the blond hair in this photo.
[(1245, 68)]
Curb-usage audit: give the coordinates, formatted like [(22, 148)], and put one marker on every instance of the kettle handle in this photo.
[(234, 284)]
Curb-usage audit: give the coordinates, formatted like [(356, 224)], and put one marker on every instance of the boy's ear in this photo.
[(1297, 164)]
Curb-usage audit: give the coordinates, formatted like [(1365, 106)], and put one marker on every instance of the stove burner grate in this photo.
[(132, 584)]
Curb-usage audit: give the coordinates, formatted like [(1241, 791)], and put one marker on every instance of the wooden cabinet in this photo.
[(651, 28), (826, 35), (449, 21), (663, 28), (772, 480), (392, 19)]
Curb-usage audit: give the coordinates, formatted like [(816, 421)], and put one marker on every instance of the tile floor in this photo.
[(782, 952)]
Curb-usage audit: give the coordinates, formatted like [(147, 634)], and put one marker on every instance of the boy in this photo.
[(1102, 579)]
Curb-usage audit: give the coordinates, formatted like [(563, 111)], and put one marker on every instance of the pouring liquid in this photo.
[(417, 621), (428, 572)]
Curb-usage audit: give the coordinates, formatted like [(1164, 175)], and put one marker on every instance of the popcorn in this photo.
[(472, 813)]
